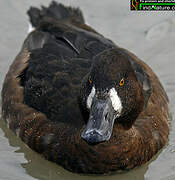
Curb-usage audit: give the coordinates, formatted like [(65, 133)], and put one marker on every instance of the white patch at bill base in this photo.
[(31, 28), (90, 97), (116, 102)]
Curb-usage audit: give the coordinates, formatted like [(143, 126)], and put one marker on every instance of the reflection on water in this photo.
[(151, 36)]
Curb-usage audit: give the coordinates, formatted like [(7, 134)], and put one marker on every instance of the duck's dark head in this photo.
[(115, 91)]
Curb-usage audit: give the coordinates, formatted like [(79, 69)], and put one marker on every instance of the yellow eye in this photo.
[(90, 80), (122, 82)]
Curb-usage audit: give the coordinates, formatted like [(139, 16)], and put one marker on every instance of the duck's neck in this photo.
[(128, 120)]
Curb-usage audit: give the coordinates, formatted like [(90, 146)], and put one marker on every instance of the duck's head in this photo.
[(115, 91)]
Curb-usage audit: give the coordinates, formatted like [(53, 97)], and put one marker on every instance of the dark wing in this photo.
[(60, 56)]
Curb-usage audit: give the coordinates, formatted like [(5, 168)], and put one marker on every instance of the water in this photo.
[(150, 35)]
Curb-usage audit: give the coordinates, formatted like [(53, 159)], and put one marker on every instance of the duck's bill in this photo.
[(100, 124)]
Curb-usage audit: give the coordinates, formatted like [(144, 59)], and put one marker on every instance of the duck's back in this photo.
[(61, 52)]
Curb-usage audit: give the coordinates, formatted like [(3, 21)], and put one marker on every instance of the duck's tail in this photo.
[(56, 11)]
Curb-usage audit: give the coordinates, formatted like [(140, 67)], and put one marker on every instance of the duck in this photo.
[(80, 100)]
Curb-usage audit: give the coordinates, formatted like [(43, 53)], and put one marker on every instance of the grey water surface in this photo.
[(150, 35)]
